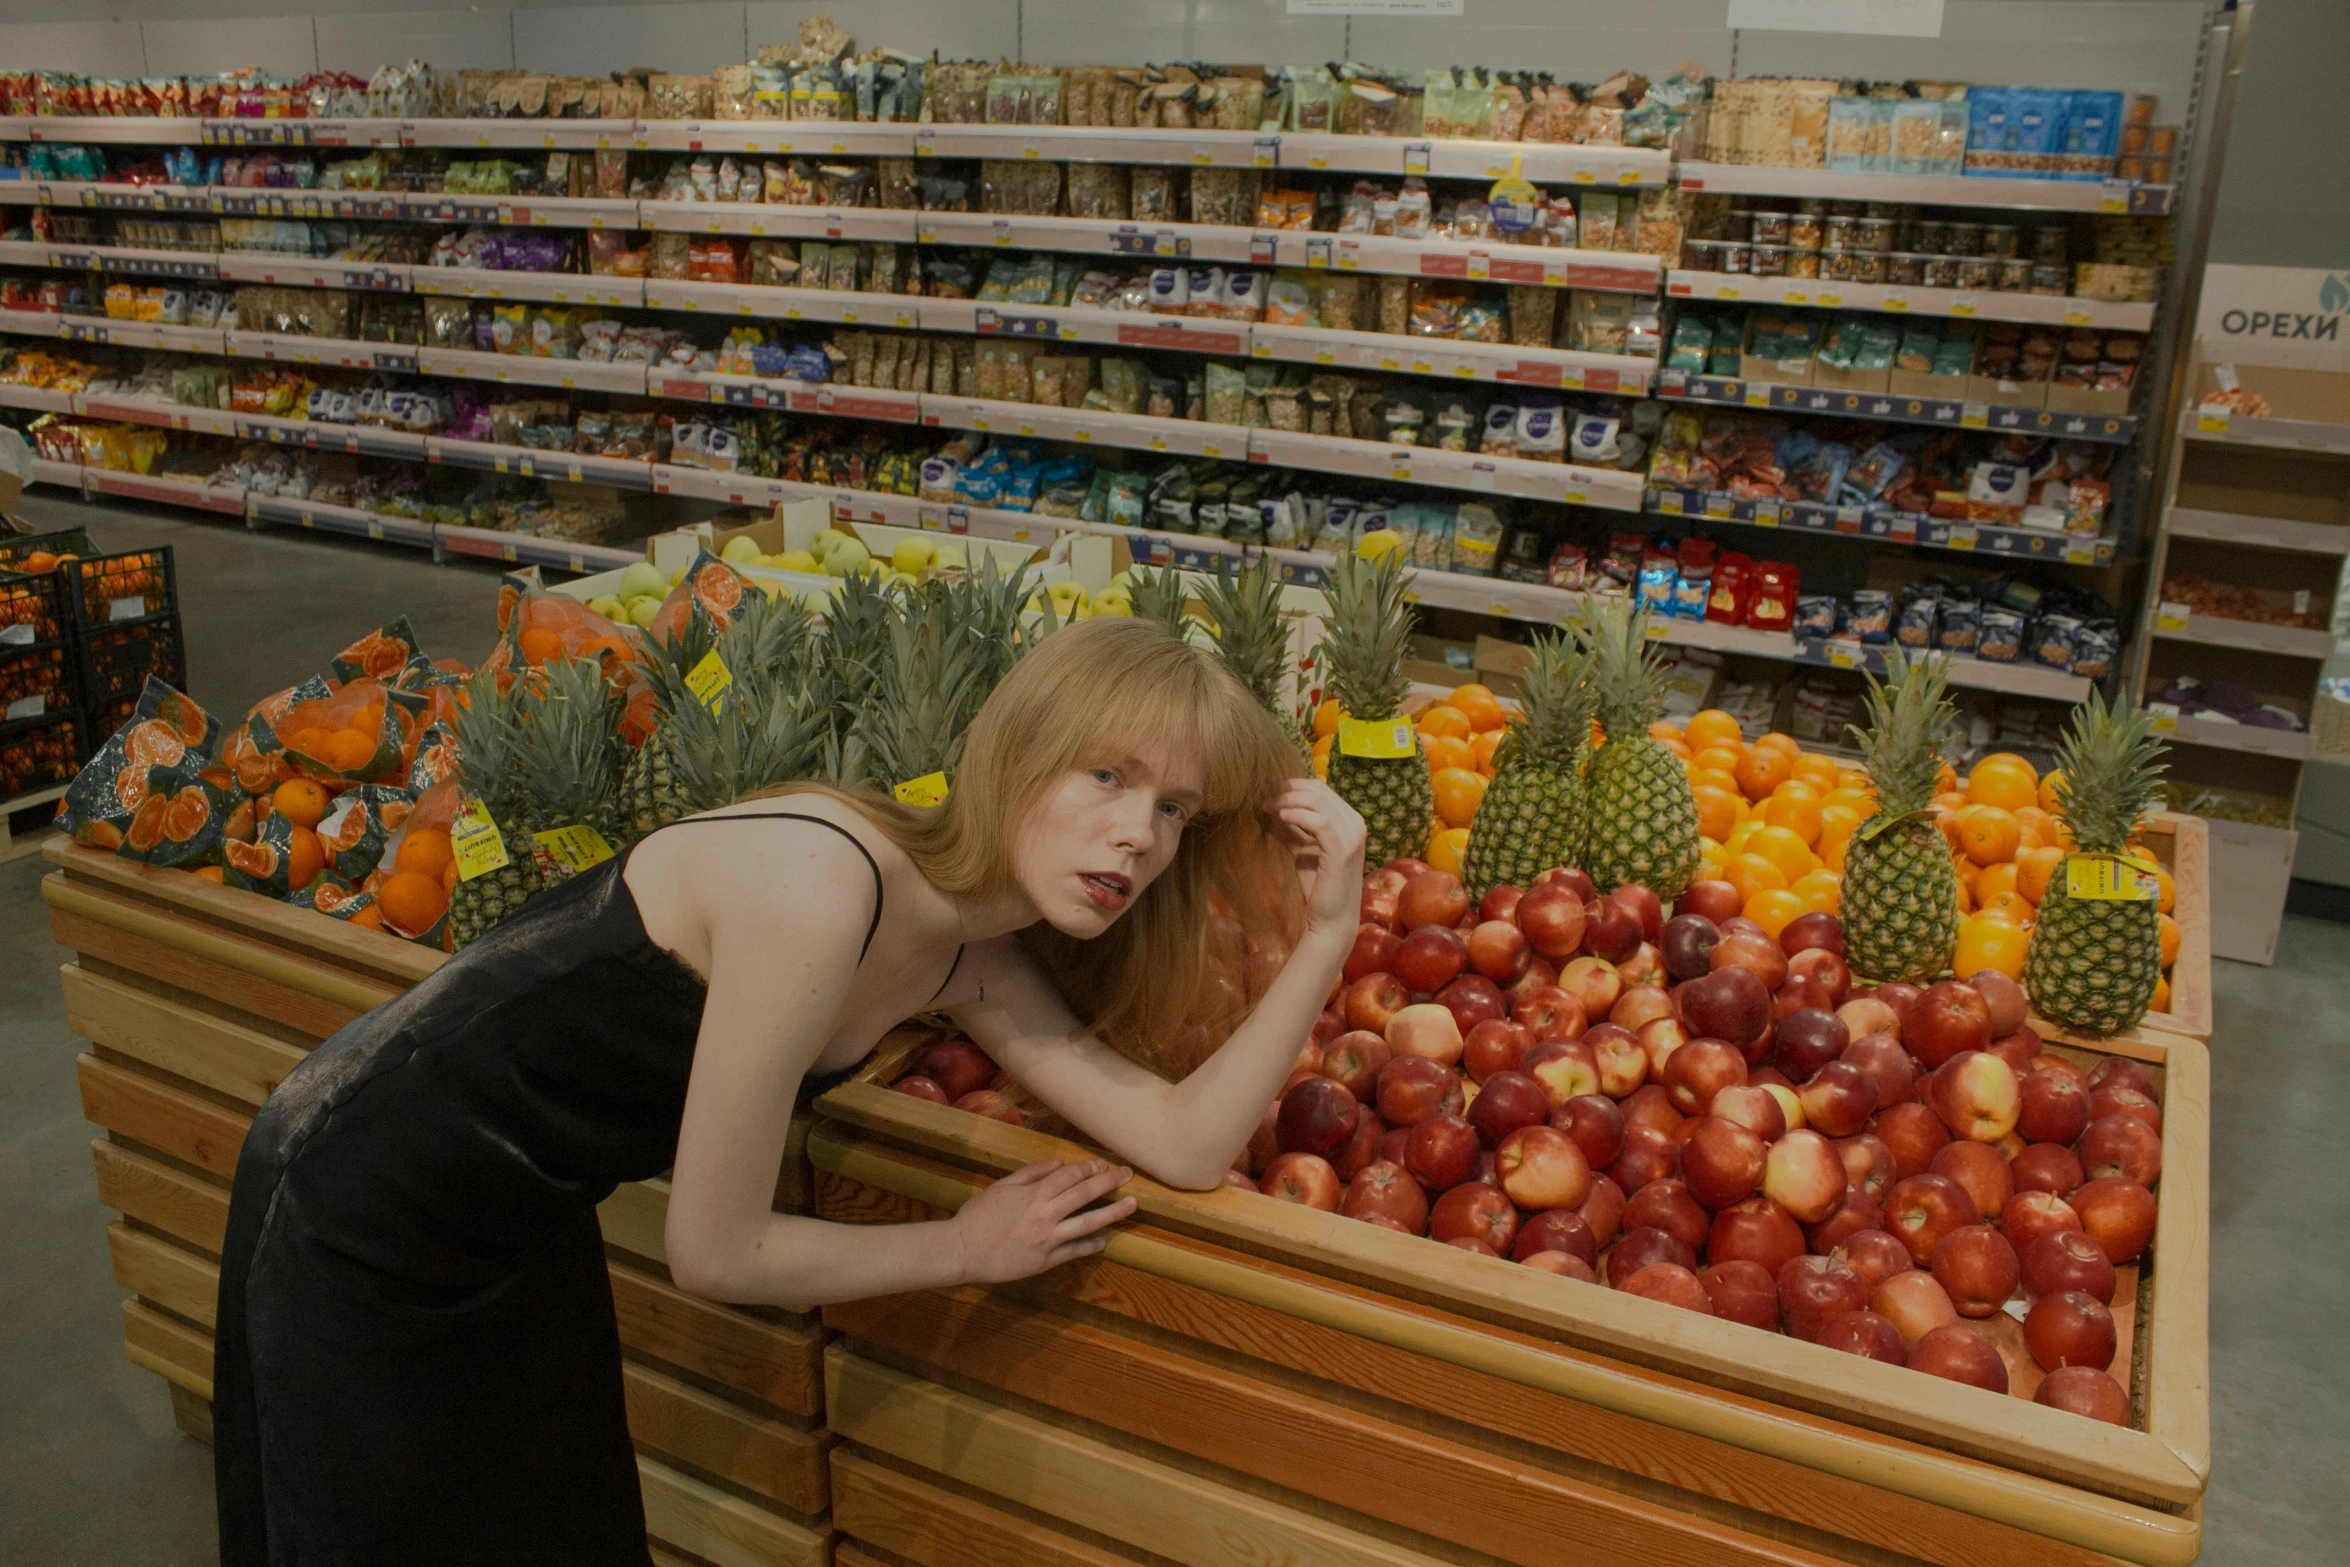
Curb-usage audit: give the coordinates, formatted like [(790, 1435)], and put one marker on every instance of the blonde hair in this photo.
[(1174, 974)]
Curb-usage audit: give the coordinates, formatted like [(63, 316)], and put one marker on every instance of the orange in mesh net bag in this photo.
[(359, 734)]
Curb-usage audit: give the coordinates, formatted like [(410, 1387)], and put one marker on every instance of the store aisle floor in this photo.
[(94, 1474)]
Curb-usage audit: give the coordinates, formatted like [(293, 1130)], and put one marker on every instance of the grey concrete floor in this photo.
[(92, 1470)]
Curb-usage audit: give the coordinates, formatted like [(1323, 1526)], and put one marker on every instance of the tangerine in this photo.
[(300, 801), (1783, 848), (2039, 828), (1326, 719), (1752, 874), (424, 850), (2033, 867), (1722, 759), (1763, 769), (1774, 908), (1445, 848), (2170, 939), (411, 903), (1990, 944), (348, 750), (1444, 751), (2003, 779), (367, 918), (1482, 746), (1989, 835), (2161, 1001), (1450, 722), (1785, 744), (1821, 891), (1798, 813), (1322, 756), (311, 742), (1478, 705), (1713, 727), (449, 878), (210, 873), (1717, 811), (1993, 880), (1458, 791), (305, 858)]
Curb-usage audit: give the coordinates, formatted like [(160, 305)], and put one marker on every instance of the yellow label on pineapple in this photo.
[(479, 847), (929, 789), (575, 847), (1383, 738), (2110, 878), (708, 678)]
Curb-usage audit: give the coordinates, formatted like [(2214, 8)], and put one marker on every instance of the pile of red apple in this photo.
[(1700, 1115)]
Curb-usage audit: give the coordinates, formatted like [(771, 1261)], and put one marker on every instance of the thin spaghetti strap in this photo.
[(795, 816), (950, 979)]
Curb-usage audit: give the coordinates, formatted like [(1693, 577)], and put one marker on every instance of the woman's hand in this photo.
[(1327, 837), (1029, 1221)]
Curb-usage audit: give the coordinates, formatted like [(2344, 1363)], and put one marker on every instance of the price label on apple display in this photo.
[(2171, 617)]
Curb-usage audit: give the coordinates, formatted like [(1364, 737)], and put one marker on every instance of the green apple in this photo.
[(637, 579), (741, 550), (847, 557), (913, 555), (607, 606), (797, 560), (642, 610)]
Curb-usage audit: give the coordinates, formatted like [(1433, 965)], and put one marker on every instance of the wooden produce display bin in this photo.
[(2182, 846), (197, 1000), (1237, 1379)]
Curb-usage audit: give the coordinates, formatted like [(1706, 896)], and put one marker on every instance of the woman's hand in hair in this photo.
[(1327, 836), (1031, 1220)]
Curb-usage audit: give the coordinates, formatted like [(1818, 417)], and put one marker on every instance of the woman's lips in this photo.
[(1108, 892)]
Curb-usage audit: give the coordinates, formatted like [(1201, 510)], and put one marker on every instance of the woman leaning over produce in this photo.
[(417, 1359)]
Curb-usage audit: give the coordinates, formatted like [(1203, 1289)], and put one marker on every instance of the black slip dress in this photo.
[(416, 1363)]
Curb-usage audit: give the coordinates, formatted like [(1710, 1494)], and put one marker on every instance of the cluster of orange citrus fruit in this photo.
[(411, 890), (1458, 736)]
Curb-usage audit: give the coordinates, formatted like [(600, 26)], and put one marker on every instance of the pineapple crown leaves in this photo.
[(936, 668), (1159, 595), (1370, 627), (1250, 638), (489, 743), (752, 738), (1627, 679), (1910, 717), (1556, 700), (548, 751), (2112, 764)]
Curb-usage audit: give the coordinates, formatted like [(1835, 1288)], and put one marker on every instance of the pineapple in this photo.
[(1363, 652), (762, 729), (489, 773), (1640, 816), (2093, 963), (647, 789), (1159, 595), (1900, 883), (856, 621), (1532, 815), (569, 759), (928, 685), (1253, 641)]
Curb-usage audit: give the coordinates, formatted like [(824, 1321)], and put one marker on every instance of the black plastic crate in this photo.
[(34, 609), (100, 720), (107, 590), (38, 679), (117, 659), (41, 753), (17, 548)]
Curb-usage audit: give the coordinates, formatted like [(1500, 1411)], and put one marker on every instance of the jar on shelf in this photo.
[(1839, 233), (1836, 265), (1868, 266), (1930, 236), (2047, 278), (1702, 255), (1736, 254), (1977, 272), (2015, 276), (1803, 229), (1767, 260), (1770, 228), (1803, 261), (1966, 239), (1741, 223), (1906, 267), (2050, 244), (1874, 234), (2001, 240), (1941, 271)]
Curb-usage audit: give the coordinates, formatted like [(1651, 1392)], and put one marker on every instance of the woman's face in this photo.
[(1102, 835)]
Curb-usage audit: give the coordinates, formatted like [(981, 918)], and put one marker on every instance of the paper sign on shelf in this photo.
[(1382, 739)]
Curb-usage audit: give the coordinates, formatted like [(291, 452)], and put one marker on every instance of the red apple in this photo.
[(2084, 1390), (1429, 957), (1241, 1179), (1742, 1291), (1564, 1264), (2069, 1329), (1659, 1037), (1711, 900), (2052, 1107), (1808, 1039), (1643, 1248), (1498, 950), (2067, 1260), (1667, 1206), (1946, 1020), (1757, 1230), (1647, 1155), (1373, 999), (1354, 1061), (1495, 1045), (1978, 1267), (2018, 1049), (1752, 1107), (1603, 1210), (1425, 1029), (1473, 999), (1976, 1095), (1869, 1165), (1539, 973), (1477, 1211), (1413, 1088), (1698, 1070), (1317, 1117), (1960, 1355), (1549, 1013), (1888, 1065), (1593, 982), (1565, 1068), (1475, 1244), (1799, 994), (2003, 996), (1373, 952), (1621, 1058), (1758, 954), (1302, 1178), (1790, 1107), (1573, 879), (1363, 1147), (1814, 1289), (957, 1066), (1805, 1176), (1912, 1131), (1914, 1303), (990, 1103), (1877, 1256), (1923, 1209), (1728, 1003), (1331, 1023), (2119, 1099), (1685, 944), (1723, 1162), (1857, 1211), (1824, 971), (1442, 1151), (1553, 920), (1672, 1284), (1596, 1125), (1265, 1141), (2120, 1145), (1386, 1189), (1649, 1105), (2031, 1215), (2047, 1167), (1866, 1015), (1381, 906), (1612, 930), (1541, 1167), (1645, 905), (1556, 1229), (1866, 1334), (1506, 1102), (921, 1087), (1839, 1099), (2122, 1072), (2119, 1216), (1978, 1168), (1900, 996), (1638, 1005), (1433, 897), (1309, 1056), (1499, 904), (1814, 932)]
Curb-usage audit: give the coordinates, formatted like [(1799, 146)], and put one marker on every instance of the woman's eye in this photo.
[(1172, 811), (1105, 777)]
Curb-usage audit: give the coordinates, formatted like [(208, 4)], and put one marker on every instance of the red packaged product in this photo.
[(1733, 582), (1771, 601)]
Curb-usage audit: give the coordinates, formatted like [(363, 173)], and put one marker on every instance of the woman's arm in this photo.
[(1189, 1133), (784, 920)]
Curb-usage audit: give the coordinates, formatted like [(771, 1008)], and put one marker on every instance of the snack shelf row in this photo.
[(1941, 190), (1946, 413), (1963, 303), (283, 202), (1884, 522)]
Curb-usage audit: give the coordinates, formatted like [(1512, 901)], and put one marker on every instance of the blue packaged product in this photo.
[(806, 362), (1660, 574), (1815, 616), (1987, 148), (2036, 128), (2092, 135), (1870, 616)]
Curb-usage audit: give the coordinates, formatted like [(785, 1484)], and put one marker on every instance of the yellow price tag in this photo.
[(708, 678), (575, 847), (480, 848), (929, 789), (2110, 878), (1379, 738), (2211, 419)]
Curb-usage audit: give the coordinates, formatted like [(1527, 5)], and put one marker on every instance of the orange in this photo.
[(1326, 719), (1821, 891), (2003, 779), (2033, 867), (1750, 874), (1458, 790), (1714, 777), (1832, 852), (1989, 835), (1482, 746), (449, 878), (1674, 744), (1797, 813), (411, 903), (1816, 770), (2048, 797), (1948, 821), (348, 750), (2166, 892), (1713, 727), (1322, 757), (1445, 848), (1837, 824), (1735, 844), (1717, 811), (1783, 848), (209, 873), (540, 646), (2170, 938), (1664, 729), (1763, 769), (1968, 870), (2161, 1001), (2006, 906), (1478, 705), (2039, 828), (1854, 799), (1774, 908), (1721, 758), (1444, 751), (367, 918), (1994, 880), (1782, 743), (305, 858), (1449, 722), (424, 850), (1946, 779), (300, 801), (1990, 944)]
